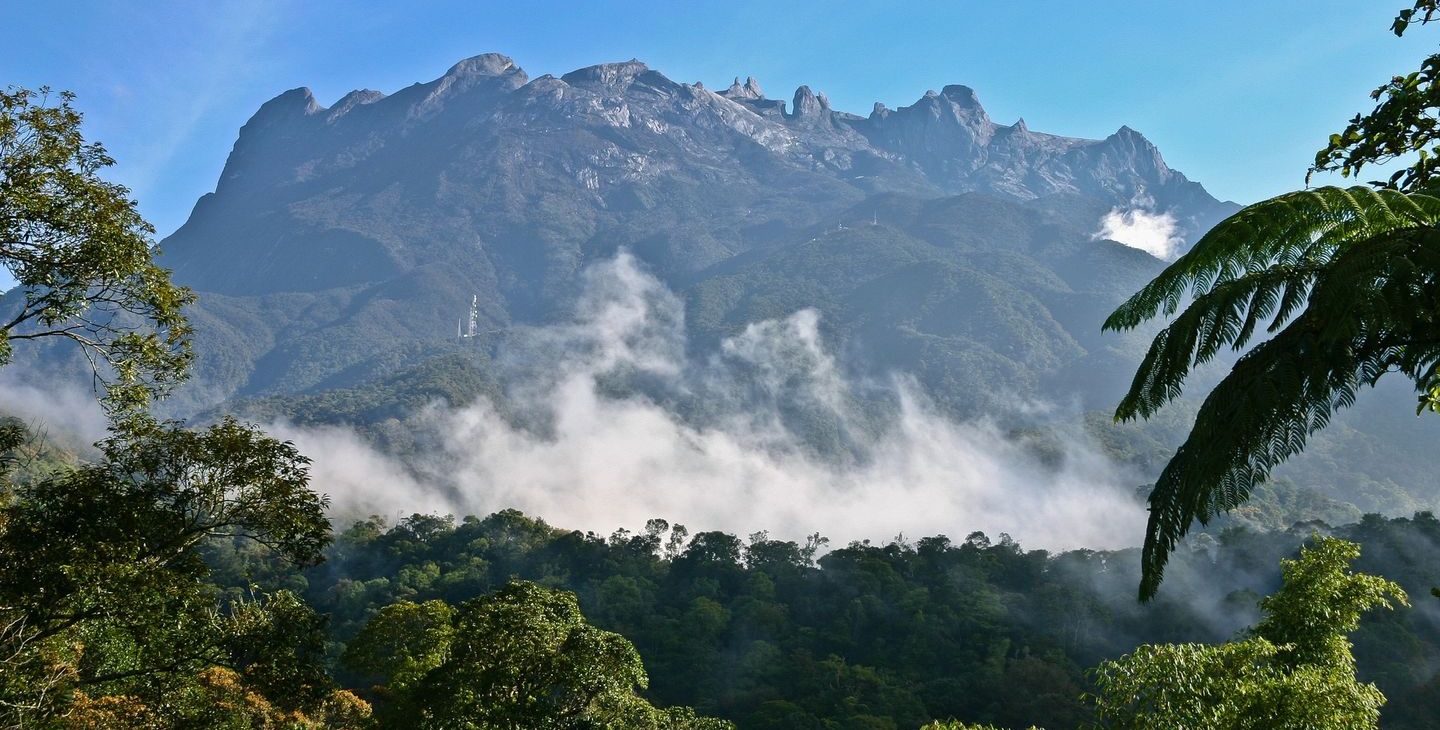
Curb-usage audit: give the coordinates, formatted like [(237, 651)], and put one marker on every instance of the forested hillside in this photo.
[(779, 634), (342, 242)]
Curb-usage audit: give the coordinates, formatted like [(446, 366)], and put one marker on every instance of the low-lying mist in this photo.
[(611, 419), (57, 412)]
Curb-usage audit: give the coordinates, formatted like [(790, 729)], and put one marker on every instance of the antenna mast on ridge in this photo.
[(474, 317)]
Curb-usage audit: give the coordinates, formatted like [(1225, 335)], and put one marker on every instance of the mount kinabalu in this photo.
[(341, 241), (490, 153), (344, 245)]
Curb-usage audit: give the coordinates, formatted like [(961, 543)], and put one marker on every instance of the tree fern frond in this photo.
[(1272, 230), (1244, 428), (1213, 321), (1371, 309), (1296, 293)]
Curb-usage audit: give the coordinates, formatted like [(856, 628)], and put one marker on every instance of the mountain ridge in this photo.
[(905, 131), (338, 257), (382, 214)]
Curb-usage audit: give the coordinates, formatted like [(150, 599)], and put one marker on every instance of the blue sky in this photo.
[(1238, 94)]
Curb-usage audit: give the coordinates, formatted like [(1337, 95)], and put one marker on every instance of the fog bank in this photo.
[(589, 438)]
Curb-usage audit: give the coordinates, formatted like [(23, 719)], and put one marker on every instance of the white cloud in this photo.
[(599, 461), (1153, 233), (58, 409)]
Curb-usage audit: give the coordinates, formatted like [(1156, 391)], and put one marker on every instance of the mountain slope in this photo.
[(340, 239), (343, 246)]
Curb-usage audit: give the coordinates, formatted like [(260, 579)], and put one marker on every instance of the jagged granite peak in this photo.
[(1017, 133), (1126, 135), (962, 95), (1128, 138), (487, 71), (485, 64), (808, 105), (618, 136), (385, 211), (287, 105), (606, 74), (945, 141), (358, 97), (945, 133), (748, 90), (275, 129), (753, 98), (956, 103), (1128, 149)]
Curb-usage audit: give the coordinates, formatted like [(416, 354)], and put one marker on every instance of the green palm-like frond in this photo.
[(1347, 280)]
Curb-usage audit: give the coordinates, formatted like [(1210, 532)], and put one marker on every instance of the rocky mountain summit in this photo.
[(343, 239), (485, 140), (339, 256)]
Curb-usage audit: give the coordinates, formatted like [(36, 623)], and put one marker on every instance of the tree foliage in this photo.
[(1295, 672), (108, 617), (403, 642), (105, 588), (1402, 125), (957, 725), (1345, 281), (886, 635), (522, 657), (82, 254), (277, 643)]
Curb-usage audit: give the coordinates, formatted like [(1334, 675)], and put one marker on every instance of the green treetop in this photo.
[(82, 254), (1295, 672), (521, 658)]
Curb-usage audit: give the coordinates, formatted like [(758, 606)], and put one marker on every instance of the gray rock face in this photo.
[(749, 91), (640, 126), (809, 107), (336, 233)]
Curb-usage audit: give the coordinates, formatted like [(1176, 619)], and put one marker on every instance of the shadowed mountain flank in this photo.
[(338, 236)]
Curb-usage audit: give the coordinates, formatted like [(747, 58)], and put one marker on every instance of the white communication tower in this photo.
[(474, 319)]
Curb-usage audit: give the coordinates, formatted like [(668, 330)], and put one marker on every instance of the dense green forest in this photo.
[(775, 634), (764, 632), (767, 633)]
